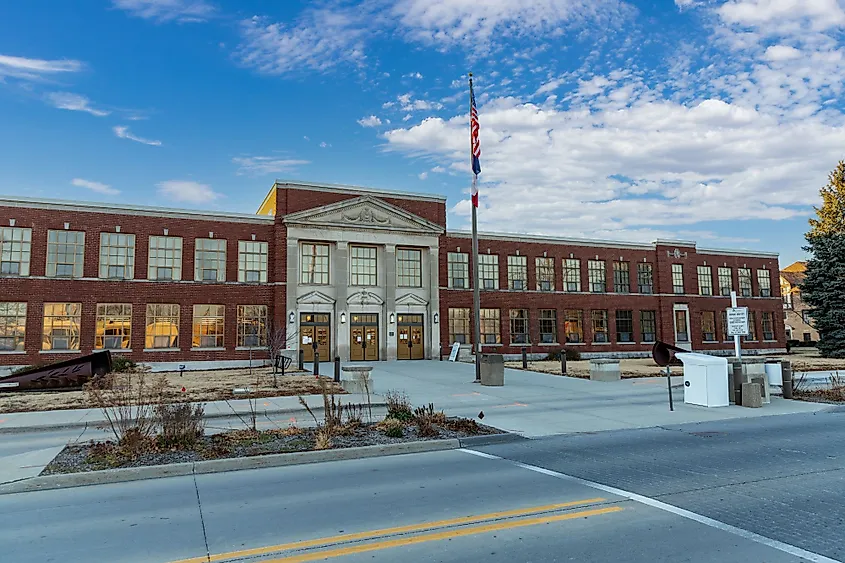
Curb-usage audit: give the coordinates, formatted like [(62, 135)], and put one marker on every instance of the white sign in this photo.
[(14, 384), (453, 356), (738, 321)]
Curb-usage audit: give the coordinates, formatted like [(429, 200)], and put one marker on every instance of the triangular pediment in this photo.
[(411, 299), (364, 297), (364, 212), (315, 298)]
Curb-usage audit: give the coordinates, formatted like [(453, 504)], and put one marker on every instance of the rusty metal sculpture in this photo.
[(67, 375)]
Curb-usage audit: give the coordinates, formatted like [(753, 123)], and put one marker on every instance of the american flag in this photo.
[(474, 142)]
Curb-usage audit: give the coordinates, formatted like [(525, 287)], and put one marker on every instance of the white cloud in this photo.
[(263, 165), (95, 186), (186, 191), (182, 11), (122, 132), (820, 14), (74, 102), (782, 53), (438, 169), (416, 75), (34, 69), (406, 103), (324, 144), (370, 121), (423, 175), (550, 86)]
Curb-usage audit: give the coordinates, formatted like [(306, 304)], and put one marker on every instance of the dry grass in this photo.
[(630, 368), (200, 386)]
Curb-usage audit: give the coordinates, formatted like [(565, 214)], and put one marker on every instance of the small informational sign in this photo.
[(9, 385), (453, 356), (358, 338), (306, 340), (738, 321), (403, 337), (369, 336)]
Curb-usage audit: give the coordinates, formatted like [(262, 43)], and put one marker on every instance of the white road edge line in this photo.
[(769, 542)]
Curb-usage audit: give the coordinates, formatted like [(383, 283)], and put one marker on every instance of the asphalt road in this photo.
[(761, 490)]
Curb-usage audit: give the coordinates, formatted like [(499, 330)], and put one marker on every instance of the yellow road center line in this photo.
[(437, 536), (388, 531)]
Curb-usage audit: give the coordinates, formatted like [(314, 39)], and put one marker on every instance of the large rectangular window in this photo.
[(408, 267), (314, 264), (752, 326), (252, 261), (621, 277), (209, 321), (624, 326), (744, 275), (517, 273), (117, 256), (210, 260), (61, 326), (572, 274), (708, 326), (645, 278), (726, 283), (162, 329), (165, 261), (573, 326), (545, 269), (678, 279), (458, 263), (459, 330), (15, 251), (648, 326), (488, 271), (490, 326), (768, 326), (764, 281), (65, 254), (705, 280), (724, 325), (252, 326), (114, 326), (599, 322), (548, 326), (12, 326), (597, 275), (519, 326), (363, 265)]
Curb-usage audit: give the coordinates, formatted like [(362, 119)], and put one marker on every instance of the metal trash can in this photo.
[(492, 370)]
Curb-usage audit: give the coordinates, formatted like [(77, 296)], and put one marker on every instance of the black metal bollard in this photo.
[(337, 369), (563, 363), (301, 359), (786, 372), (316, 363), (281, 360), (524, 359)]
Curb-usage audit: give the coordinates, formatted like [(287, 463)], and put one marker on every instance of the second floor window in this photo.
[(624, 326), (744, 275), (165, 260), (15, 249), (517, 273), (519, 326), (645, 278), (488, 271), (597, 275), (252, 261), (599, 322), (764, 281), (752, 326), (677, 279), (705, 280), (364, 267), (458, 269), (117, 256), (708, 326), (545, 269), (621, 277), (408, 267), (726, 283), (314, 264), (572, 274), (65, 254), (210, 260)]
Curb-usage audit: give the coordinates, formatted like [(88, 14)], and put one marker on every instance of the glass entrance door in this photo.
[(364, 344), (314, 328), (409, 334)]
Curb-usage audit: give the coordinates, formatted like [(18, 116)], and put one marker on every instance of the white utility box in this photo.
[(774, 372), (705, 379)]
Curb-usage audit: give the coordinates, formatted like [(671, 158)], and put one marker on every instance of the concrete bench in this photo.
[(604, 370), (357, 378)]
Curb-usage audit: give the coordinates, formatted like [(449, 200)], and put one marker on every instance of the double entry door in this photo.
[(315, 328), (364, 344), (409, 335)]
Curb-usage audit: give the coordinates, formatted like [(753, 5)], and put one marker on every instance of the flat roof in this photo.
[(359, 190)]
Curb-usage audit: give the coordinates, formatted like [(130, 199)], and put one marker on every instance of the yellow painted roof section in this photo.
[(268, 206), (797, 267)]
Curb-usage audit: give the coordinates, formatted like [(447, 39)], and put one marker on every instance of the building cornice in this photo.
[(733, 252), (539, 239), (356, 190)]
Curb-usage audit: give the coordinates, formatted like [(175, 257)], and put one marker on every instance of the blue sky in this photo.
[(712, 120)]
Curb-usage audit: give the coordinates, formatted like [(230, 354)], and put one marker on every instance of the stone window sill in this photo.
[(601, 343), (114, 350), (241, 348), (576, 344), (212, 349), (59, 352), (162, 349), (626, 343), (10, 352), (548, 344)]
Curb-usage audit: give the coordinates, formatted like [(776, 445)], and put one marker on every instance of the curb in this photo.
[(490, 439)]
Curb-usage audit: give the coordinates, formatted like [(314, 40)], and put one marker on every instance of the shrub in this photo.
[(465, 425), (398, 406), (130, 404), (425, 418), (122, 364), (572, 355), (392, 427), (323, 440), (181, 424), (353, 415)]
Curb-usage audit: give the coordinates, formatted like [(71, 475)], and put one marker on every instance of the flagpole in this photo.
[(476, 290)]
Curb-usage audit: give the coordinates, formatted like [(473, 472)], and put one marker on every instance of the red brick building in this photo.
[(352, 272)]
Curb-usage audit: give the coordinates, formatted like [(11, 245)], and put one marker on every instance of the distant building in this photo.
[(795, 310)]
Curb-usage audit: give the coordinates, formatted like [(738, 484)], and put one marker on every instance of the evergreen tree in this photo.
[(831, 215)]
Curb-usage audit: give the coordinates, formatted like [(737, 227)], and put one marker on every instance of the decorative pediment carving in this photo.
[(364, 297), (364, 212), (411, 299), (315, 298)]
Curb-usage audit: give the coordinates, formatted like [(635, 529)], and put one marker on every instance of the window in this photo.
[(744, 275), (572, 326), (808, 337), (252, 261), (165, 261), (624, 326), (117, 256), (572, 274), (162, 326), (488, 271), (15, 248), (490, 326), (363, 266), (752, 326), (458, 269), (724, 326), (726, 284), (519, 326), (545, 269), (252, 326), (65, 253), (314, 264), (114, 326), (210, 260), (805, 316), (208, 326), (596, 273), (408, 267), (768, 326), (764, 280), (548, 326), (621, 277), (678, 278), (12, 327), (681, 332), (599, 321), (705, 280), (517, 273), (459, 326), (645, 278), (708, 326), (648, 326), (61, 326)]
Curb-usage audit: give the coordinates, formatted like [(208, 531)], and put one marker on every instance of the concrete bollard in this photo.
[(337, 369), (524, 359), (752, 395)]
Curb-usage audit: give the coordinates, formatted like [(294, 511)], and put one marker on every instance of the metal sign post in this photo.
[(737, 318)]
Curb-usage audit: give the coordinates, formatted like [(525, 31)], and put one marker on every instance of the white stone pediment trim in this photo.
[(411, 299), (365, 212), (315, 298), (364, 297)]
